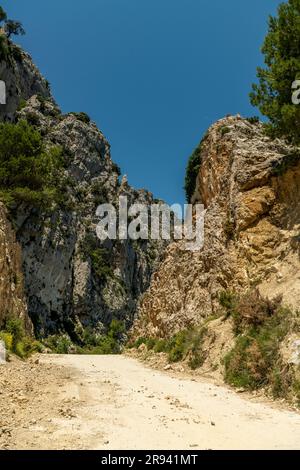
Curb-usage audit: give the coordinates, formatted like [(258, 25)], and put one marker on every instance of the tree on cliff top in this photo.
[(273, 94), (13, 27), (3, 15), (10, 27)]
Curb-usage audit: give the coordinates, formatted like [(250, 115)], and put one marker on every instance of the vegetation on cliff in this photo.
[(260, 326), (8, 28), (28, 171), (192, 171), (273, 94)]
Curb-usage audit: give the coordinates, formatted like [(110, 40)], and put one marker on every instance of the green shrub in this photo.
[(161, 345), (15, 327), (116, 329), (196, 353), (100, 193), (22, 104), (253, 120), (138, 342), (28, 173), (228, 300), (16, 340), (59, 344), (253, 361), (253, 310), (150, 343), (177, 347), (296, 388), (100, 258), (192, 171), (287, 162), (83, 117), (109, 343), (186, 343), (116, 168), (8, 340), (224, 130), (32, 119)]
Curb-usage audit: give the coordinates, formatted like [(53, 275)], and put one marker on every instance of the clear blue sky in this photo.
[(153, 74)]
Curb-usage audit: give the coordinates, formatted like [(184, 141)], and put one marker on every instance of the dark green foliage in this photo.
[(116, 169), (10, 27), (28, 173), (4, 48), (253, 360), (59, 344), (22, 104), (91, 341), (16, 339), (224, 130), (13, 28), (228, 301), (253, 119), (32, 119), (150, 343), (15, 327), (229, 227), (100, 193), (48, 86), (100, 257), (161, 345), (192, 171), (273, 94), (136, 344), (288, 161), (184, 344), (3, 15), (83, 117), (109, 343)]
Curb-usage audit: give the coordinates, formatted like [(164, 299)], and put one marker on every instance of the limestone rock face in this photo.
[(62, 287), (12, 299), (250, 187), (22, 80), (71, 281)]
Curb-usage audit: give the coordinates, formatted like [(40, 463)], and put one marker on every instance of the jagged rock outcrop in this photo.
[(250, 187), (22, 80), (64, 289), (12, 299)]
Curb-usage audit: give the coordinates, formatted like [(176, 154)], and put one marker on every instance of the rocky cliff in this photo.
[(22, 79), (12, 299), (250, 187), (71, 279)]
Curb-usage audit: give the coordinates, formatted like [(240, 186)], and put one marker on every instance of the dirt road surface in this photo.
[(115, 402)]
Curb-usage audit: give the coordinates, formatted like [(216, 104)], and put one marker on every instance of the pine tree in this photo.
[(3, 15), (273, 94)]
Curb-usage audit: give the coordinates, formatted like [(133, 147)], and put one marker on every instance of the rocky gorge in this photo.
[(71, 281), (60, 279)]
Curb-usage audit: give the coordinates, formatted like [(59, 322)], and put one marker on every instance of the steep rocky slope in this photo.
[(250, 188), (22, 79), (12, 300), (71, 279)]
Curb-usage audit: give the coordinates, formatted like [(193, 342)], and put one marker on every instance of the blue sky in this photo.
[(153, 74)]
